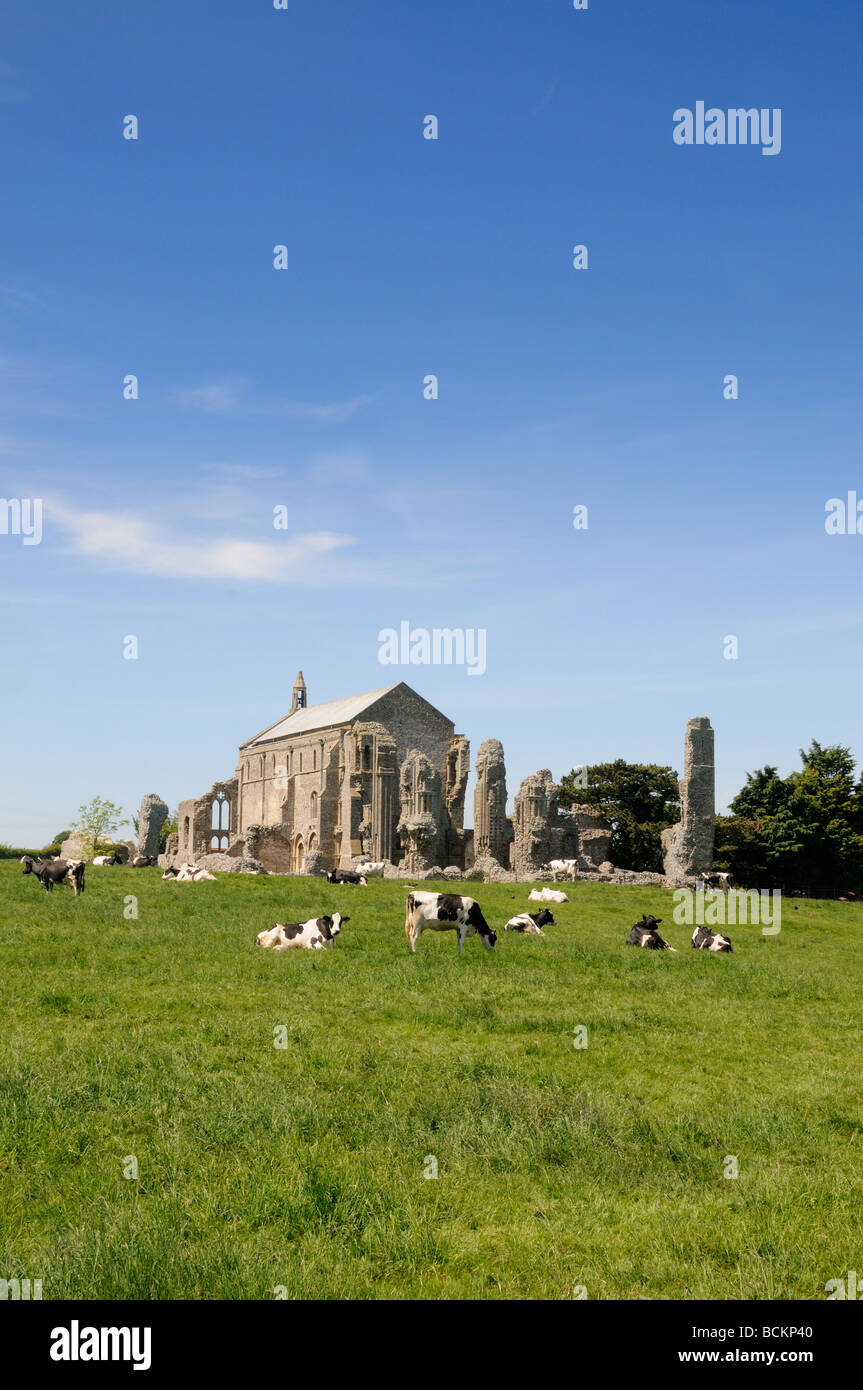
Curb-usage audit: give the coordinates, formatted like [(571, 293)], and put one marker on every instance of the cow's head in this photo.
[(544, 918), (28, 864), (337, 921)]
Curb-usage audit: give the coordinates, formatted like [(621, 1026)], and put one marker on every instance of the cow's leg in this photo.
[(415, 933), (461, 936)]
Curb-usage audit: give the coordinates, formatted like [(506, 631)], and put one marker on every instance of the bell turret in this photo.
[(300, 696)]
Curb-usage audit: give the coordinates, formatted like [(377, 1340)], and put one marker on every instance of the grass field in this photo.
[(302, 1167)]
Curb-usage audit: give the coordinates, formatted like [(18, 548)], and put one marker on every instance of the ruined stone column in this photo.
[(535, 815), (688, 846), (456, 775), (490, 830), (421, 823), (151, 818)]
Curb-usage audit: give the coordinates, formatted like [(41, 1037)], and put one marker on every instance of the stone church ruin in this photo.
[(384, 776)]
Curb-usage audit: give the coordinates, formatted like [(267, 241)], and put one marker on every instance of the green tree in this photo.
[(169, 827), (97, 821), (741, 850), (638, 800), (809, 825)]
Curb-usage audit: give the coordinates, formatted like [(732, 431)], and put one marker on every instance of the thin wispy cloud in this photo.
[(546, 99), (121, 542), (232, 397), (341, 466)]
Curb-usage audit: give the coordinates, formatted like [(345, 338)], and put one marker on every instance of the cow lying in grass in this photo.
[(371, 868), (103, 859), (188, 873), (313, 935), (645, 933), (531, 923), (51, 871), (703, 939), (346, 876), (547, 895), (446, 912)]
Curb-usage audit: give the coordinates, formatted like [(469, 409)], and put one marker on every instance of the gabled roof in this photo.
[(325, 716)]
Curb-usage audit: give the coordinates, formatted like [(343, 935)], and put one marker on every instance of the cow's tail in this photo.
[(408, 916)]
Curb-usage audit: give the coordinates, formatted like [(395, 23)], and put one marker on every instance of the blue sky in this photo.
[(304, 387)]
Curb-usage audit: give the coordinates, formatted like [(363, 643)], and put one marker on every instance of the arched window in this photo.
[(313, 804), (186, 831), (221, 817), (301, 762), (367, 757), (314, 759)]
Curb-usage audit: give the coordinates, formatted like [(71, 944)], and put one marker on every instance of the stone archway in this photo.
[(299, 855)]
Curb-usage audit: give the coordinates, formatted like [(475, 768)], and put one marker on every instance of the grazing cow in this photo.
[(547, 895), (446, 912), (703, 939), (531, 923), (371, 868), (102, 859), (346, 876), (313, 935), (644, 933), (565, 867), (51, 871)]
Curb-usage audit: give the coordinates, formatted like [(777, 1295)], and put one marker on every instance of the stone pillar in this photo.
[(688, 846), (422, 812), (151, 818), (457, 773), (490, 829), (535, 815)]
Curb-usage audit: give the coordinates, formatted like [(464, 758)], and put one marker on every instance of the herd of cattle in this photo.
[(424, 911), (71, 871)]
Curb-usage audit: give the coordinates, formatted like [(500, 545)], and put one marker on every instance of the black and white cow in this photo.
[(346, 876), (313, 935), (567, 868), (717, 880), (547, 895), (531, 923), (51, 871), (446, 912), (703, 939), (142, 861), (645, 933), (103, 859)]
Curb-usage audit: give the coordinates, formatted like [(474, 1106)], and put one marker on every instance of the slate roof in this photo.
[(326, 716)]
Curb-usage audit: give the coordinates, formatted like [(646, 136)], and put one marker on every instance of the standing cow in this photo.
[(51, 871), (446, 912)]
